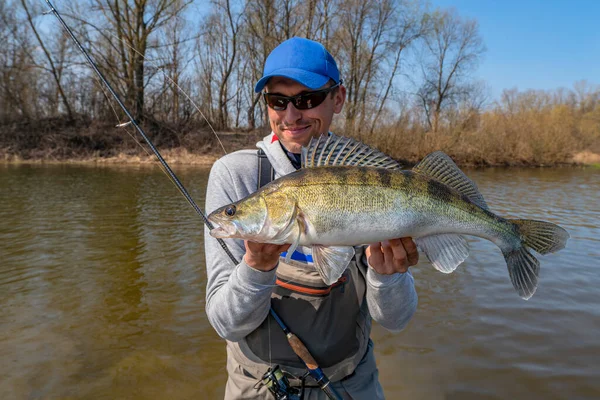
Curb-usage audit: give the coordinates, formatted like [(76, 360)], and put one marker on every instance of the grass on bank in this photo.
[(547, 136)]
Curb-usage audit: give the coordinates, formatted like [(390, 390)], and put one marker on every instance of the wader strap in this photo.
[(266, 173)]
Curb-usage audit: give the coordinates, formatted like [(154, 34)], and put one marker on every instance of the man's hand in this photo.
[(391, 256), (263, 256)]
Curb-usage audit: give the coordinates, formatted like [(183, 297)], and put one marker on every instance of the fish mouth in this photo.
[(222, 232)]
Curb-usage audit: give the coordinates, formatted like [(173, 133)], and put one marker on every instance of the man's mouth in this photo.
[(297, 129)]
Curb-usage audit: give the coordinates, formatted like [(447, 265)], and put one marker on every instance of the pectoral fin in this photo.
[(331, 261), (297, 231), (446, 252)]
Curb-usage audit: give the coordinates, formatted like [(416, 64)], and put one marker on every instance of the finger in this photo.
[(397, 247), (375, 255), (275, 248), (283, 247), (392, 264), (265, 248), (399, 261), (412, 253), (252, 246)]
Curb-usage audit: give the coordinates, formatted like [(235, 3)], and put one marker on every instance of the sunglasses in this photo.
[(303, 101)]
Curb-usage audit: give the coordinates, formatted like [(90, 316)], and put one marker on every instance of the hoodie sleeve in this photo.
[(238, 297), (392, 299)]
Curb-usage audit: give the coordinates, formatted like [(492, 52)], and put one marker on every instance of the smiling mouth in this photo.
[(297, 130)]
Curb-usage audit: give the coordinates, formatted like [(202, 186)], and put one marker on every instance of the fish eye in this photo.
[(230, 210)]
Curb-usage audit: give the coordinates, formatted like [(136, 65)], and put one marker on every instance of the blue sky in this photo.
[(534, 44)]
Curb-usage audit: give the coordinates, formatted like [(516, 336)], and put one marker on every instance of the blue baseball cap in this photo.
[(303, 60)]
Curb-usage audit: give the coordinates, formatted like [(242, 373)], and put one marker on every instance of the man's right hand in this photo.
[(263, 256)]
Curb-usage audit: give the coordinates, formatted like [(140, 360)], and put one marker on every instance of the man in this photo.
[(302, 88)]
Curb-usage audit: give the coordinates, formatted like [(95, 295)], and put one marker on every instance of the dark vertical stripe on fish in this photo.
[(439, 190), (386, 177)]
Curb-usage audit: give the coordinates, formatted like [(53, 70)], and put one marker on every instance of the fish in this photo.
[(348, 194)]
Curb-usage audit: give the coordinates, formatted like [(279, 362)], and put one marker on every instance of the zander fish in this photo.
[(348, 194)]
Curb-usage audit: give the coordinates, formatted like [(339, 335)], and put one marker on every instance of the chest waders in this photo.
[(275, 379)]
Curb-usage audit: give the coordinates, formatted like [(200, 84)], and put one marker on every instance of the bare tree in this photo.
[(18, 80), (259, 38), (56, 69), (228, 53), (452, 50), (410, 25), (134, 22), (172, 58), (587, 96), (366, 32)]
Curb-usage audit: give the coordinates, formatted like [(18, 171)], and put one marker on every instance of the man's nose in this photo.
[(292, 114)]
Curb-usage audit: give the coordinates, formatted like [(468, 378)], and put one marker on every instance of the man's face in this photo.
[(294, 127)]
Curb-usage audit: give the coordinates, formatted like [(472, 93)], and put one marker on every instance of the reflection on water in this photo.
[(102, 294)]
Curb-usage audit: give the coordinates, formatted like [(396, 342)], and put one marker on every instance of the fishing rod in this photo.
[(132, 120), (299, 348)]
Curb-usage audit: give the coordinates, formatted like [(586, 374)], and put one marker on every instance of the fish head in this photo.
[(243, 219), (265, 217)]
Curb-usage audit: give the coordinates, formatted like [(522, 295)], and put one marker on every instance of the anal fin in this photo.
[(445, 251)]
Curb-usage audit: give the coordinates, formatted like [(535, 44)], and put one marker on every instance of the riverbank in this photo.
[(182, 156), (59, 140), (171, 156), (81, 141)]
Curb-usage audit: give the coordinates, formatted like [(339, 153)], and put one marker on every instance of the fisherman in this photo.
[(302, 88)]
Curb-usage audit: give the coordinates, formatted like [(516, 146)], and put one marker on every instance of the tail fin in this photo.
[(523, 267), (543, 237)]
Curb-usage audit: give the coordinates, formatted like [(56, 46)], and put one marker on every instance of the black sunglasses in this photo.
[(303, 101)]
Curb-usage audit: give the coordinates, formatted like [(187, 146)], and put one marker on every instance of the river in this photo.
[(102, 286)]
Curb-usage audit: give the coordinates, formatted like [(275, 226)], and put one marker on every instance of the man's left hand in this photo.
[(391, 256)]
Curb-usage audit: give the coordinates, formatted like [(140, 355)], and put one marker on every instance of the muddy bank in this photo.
[(59, 140), (84, 141)]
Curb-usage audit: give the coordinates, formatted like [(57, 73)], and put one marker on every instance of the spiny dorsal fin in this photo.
[(439, 166), (330, 150)]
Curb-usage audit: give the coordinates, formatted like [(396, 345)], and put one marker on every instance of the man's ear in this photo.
[(338, 99)]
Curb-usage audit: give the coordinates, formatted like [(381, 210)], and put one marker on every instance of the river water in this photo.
[(102, 286)]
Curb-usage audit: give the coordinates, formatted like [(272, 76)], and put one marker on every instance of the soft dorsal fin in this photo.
[(332, 150), (439, 166)]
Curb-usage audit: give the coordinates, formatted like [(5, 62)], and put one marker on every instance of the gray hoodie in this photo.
[(238, 297)]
